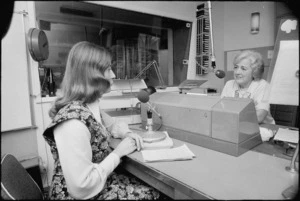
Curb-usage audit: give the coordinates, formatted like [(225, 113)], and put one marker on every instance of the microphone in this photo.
[(143, 96), (219, 73), (150, 135)]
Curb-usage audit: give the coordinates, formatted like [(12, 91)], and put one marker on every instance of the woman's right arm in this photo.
[(84, 178)]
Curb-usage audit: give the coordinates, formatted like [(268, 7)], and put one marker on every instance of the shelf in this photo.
[(53, 66), (61, 45), (47, 99)]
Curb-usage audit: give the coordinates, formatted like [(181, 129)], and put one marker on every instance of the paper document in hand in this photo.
[(174, 154), (287, 135)]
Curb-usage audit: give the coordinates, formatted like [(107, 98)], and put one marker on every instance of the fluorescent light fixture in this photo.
[(255, 21)]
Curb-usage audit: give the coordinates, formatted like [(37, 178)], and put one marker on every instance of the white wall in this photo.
[(15, 101), (237, 25), (21, 143), (28, 143)]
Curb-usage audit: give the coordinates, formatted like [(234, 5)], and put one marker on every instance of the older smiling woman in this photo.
[(248, 83)]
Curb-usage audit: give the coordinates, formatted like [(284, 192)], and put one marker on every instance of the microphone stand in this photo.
[(153, 109), (213, 58), (292, 168), (219, 73), (291, 192), (150, 135)]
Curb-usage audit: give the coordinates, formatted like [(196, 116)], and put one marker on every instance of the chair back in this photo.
[(16, 182)]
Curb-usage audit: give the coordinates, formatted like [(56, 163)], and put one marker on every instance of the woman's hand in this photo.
[(138, 140), (126, 146), (261, 115)]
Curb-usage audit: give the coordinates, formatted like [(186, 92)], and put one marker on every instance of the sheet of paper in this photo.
[(284, 83), (287, 135), (173, 154)]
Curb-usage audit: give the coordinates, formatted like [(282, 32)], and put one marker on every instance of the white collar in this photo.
[(94, 108), (243, 89)]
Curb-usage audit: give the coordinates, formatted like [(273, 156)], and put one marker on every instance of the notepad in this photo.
[(173, 154), (287, 135)]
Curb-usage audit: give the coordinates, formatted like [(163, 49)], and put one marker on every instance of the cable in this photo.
[(211, 29), (202, 67), (151, 108), (44, 81), (43, 119), (131, 104), (160, 124)]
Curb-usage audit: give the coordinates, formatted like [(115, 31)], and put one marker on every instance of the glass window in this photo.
[(135, 40)]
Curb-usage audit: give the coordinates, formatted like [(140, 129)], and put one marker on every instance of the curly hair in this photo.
[(257, 63)]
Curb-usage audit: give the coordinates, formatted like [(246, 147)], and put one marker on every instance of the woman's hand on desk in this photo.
[(138, 140), (126, 146)]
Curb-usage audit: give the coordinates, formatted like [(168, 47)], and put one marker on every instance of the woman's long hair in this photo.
[(84, 76)]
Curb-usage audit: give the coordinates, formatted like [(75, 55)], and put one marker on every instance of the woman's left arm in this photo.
[(262, 105), (261, 115)]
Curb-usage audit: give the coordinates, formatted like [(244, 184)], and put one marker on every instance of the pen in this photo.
[(294, 129)]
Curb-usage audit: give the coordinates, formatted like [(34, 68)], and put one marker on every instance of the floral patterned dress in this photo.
[(118, 186)]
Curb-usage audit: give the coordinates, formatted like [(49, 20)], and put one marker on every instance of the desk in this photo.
[(272, 148), (214, 175)]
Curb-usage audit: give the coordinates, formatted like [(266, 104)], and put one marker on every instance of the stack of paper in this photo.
[(287, 135), (163, 144), (173, 154)]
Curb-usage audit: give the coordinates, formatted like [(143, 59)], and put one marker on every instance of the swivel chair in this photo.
[(16, 182)]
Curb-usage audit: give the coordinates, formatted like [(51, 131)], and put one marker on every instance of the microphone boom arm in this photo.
[(219, 73), (213, 59), (153, 109), (155, 65)]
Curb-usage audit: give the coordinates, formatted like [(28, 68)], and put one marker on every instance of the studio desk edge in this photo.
[(253, 175)]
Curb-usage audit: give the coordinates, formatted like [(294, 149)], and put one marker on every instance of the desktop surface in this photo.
[(215, 175)]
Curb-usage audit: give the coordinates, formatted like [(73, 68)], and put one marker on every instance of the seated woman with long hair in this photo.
[(79, 134)]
